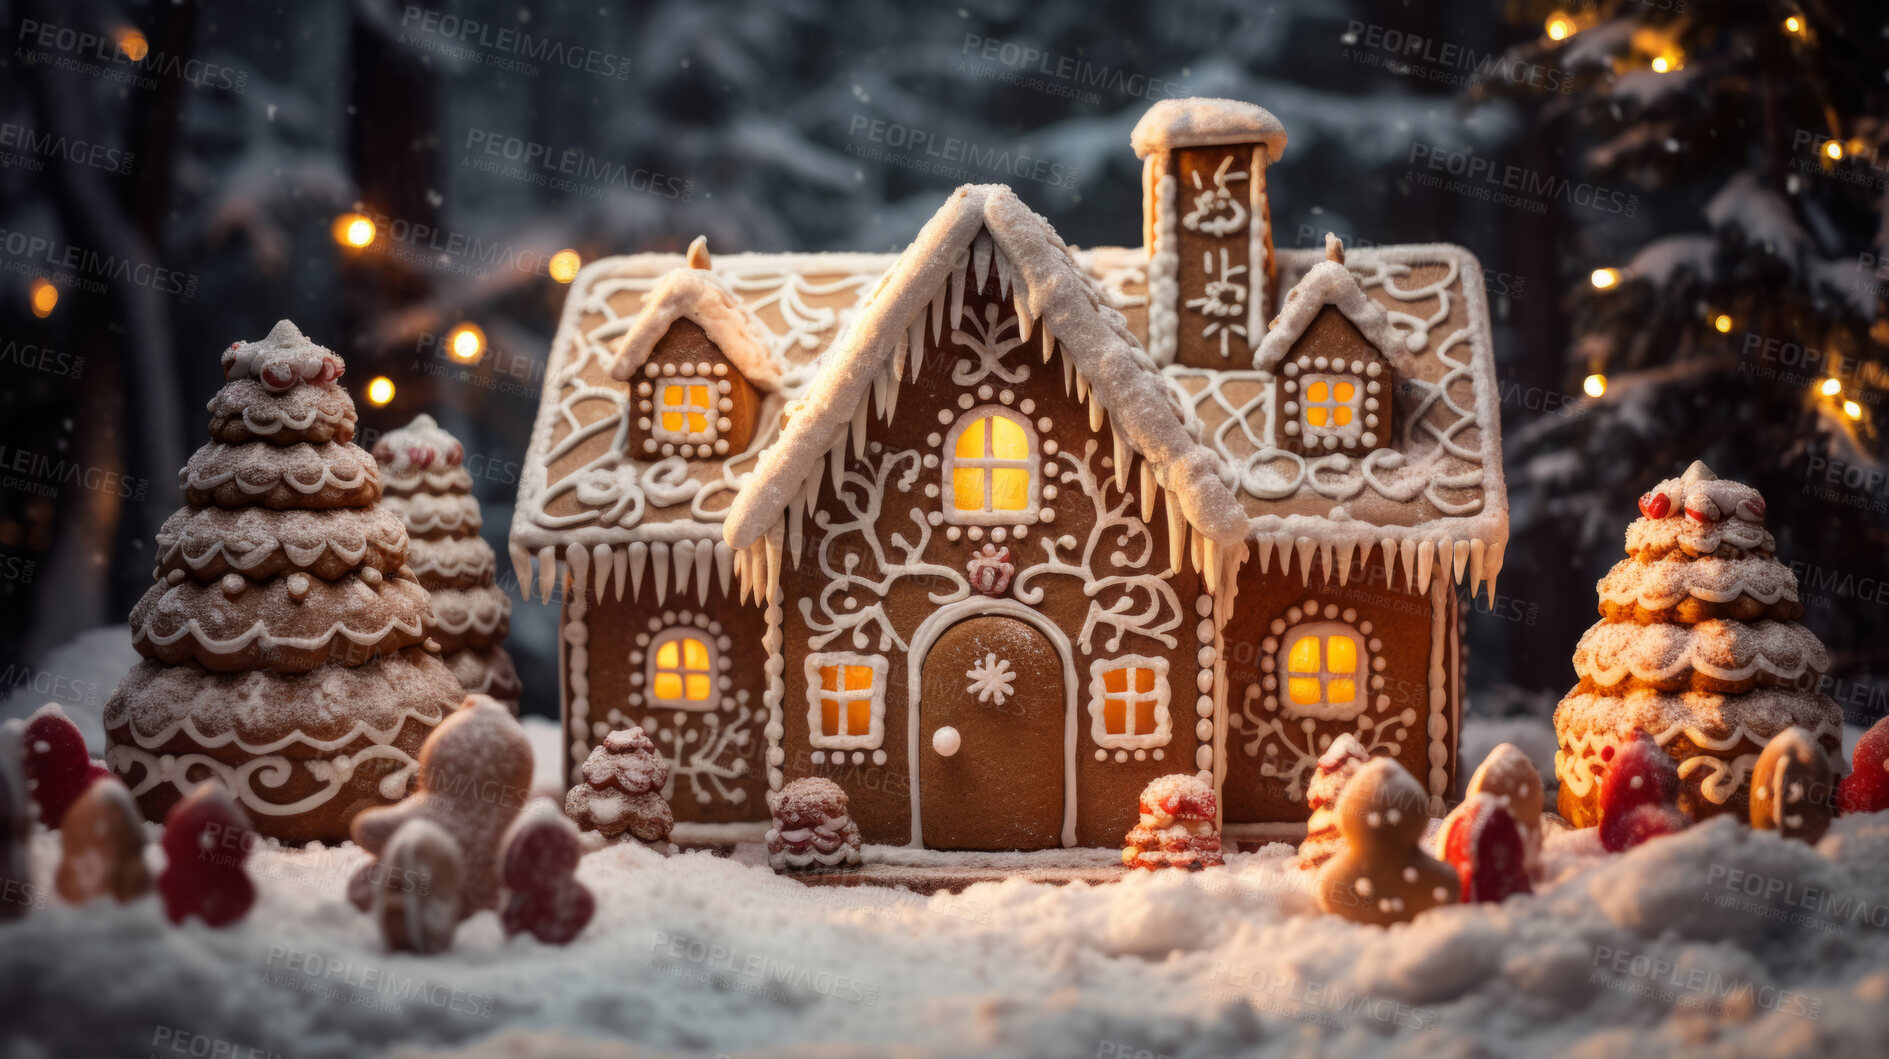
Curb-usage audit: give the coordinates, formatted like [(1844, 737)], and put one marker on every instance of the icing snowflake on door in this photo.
[(1216, 211), (1223, 299), (992, 679)]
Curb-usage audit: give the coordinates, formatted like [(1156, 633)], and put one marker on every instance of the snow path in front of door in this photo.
[(1715, 935)]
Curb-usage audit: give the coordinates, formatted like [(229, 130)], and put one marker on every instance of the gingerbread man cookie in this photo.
[(1382, 875), (1793, 787)]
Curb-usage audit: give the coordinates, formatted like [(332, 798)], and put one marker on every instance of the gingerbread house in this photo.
[(993, 532)]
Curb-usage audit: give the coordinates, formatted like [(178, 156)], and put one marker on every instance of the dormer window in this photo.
[(1334, 407), (685, 411)]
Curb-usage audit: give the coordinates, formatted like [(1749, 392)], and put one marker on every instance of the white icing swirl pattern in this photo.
[(265, 623)]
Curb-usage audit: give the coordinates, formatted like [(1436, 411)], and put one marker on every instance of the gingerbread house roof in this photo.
[(979, 229), (695, 294), (1434, 499), (581, 494), (1173, 123), (1329, 283)]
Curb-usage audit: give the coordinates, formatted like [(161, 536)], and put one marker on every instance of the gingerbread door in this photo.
[(991, 738)]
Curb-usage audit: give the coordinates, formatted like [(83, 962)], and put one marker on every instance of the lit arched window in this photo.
[(1326, 671), (682, 670), (990, 468)]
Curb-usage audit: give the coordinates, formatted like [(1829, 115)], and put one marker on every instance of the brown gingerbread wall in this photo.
[(879, 783), (617, 670), (1401, 621), (1197, 247)]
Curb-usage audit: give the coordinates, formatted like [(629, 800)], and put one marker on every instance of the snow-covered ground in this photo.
[(1715, 941)]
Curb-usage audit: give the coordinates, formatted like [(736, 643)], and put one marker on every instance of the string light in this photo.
[(1595, 385), (1603, 278), (1661, 64), (1794, 26), (1831, 387), (564, 265), (44, 297), (1852, 409), (353, 229), (1722, 323), (466, 343), (133, 44), (1833, 150), (1560, 26), (380, 390)]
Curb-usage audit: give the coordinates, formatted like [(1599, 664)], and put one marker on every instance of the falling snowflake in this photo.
[(992, 679)]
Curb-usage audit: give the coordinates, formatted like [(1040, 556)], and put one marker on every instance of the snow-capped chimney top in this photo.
[(1208, 228)]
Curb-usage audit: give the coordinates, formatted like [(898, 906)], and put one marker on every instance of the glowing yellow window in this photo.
[(685, 411), (1331, 404), (1129, 703), (682, 671), (1324, 665), (845, 699), (991, 469)]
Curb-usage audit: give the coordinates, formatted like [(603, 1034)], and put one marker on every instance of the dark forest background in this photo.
[(1721, 159)]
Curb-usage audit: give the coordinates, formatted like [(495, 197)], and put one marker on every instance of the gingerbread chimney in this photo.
[(1208, 228)]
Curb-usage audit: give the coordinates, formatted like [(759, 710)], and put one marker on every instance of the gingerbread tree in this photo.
[(1698, 648), (428, 486), (285, 640)]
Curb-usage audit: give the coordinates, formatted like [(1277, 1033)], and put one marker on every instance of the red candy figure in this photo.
[(1638, 795), (1866, 788), (542, 891), (58, 767), (1485, 847), (206, 839)]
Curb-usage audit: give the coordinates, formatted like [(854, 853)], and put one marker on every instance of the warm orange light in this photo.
[(44, 297), (380, 390), (1560, 26), (1664, 64), (1852, 409), (1604, 278), (1831, 387), (1833, 150), (1722, 324), (133, 44), (466, 343), (564, 265), (1595, 385), (353, 229), (1794, 26)]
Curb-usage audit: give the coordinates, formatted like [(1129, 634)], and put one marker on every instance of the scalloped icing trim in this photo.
[(1676, 531), (440, 481), (480, 610), (1610, 652), (452, 559), (1663, 583), (257, 468), (427, 513), (193, 535), (257, 634), (264, 414)]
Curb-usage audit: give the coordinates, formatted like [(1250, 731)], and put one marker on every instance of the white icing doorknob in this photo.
[(946, 741)]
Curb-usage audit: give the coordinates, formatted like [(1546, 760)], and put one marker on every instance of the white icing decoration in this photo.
[(1161, 694), (991, 679), (875, 732)]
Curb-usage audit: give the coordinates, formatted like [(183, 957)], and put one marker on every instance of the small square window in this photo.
[(685, 410), (1128, 703), (845, 700), (1332, 406)]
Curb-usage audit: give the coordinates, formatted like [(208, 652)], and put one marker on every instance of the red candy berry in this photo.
[(543, 895), (1656, 505), (1638, 795), (1485, 847), (58, 769), (1866, 788), (1753, 508), (206, 839), (278, 377)]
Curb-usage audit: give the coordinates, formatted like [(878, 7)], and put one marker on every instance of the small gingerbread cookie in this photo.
[(474, 777), (1513, 780), (102, 846), (1793, 788), (621, 789), (415, 893), (813, 827), (1382, 875), (1336, 766)]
